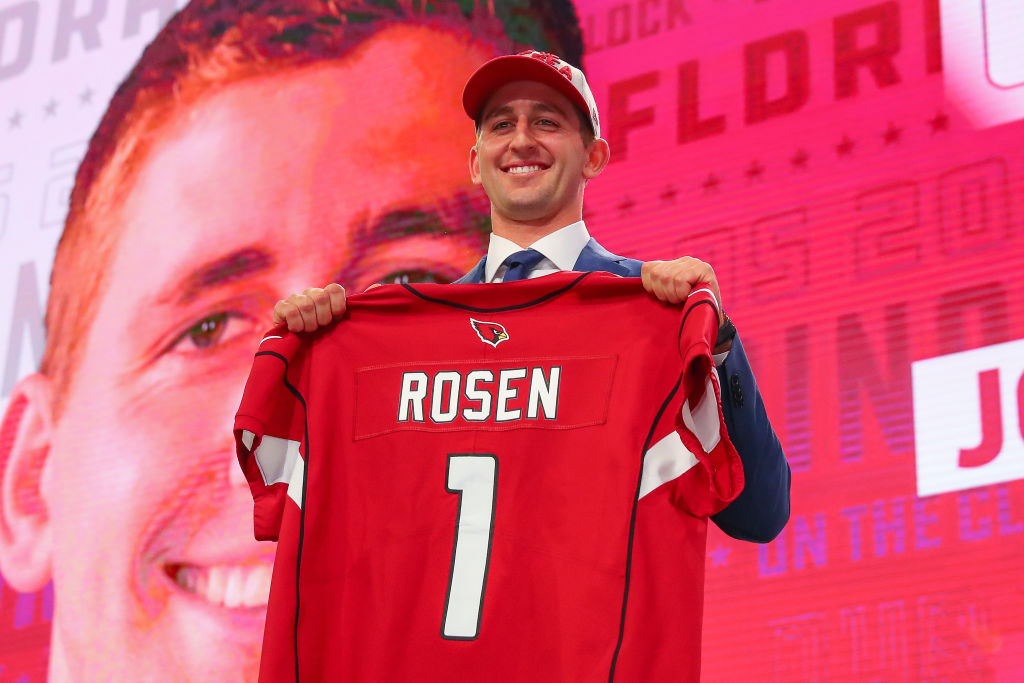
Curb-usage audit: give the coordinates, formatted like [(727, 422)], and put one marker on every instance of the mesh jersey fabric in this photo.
[(493, 482)]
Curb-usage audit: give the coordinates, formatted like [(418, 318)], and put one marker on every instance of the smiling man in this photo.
[(241, 157), (538, 144)]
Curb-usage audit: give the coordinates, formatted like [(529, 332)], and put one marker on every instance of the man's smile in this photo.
[(228, 585), (520, 168)]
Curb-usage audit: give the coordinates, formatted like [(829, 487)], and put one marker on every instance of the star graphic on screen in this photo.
[(754, 171), (668, 195), (626, 205), (86, 96), (711, 183), (799, 159), (719, 556), (939, 123), (892, 134), (15, 120), (845, 146), (51, 108)]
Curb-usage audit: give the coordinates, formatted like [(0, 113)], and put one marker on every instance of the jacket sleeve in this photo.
[(762, 509)]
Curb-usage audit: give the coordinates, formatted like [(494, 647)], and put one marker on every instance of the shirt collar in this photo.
[(562, 248)]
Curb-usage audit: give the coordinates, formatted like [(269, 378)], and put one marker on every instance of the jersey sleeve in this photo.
[(690, 451), (270, 428)]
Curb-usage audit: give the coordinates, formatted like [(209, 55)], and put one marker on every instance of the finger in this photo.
[(307, 310), (322, 306), (667, 281), (295, 322), (680, 288), (650, 279), (337, 296), (279, 312), (287, 312)]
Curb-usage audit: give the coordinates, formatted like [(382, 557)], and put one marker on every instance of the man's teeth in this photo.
[(524, 169), (228, 585)]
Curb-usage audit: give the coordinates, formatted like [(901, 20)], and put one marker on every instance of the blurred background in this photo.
[(853, 170)]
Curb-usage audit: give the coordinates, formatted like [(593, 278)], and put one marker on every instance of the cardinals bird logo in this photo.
[(489, 333)]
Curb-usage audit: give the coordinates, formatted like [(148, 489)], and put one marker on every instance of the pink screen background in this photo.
[(862, 214), (858, 222)]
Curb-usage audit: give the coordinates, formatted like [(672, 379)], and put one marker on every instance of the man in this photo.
[(537, 146), (239, 158)]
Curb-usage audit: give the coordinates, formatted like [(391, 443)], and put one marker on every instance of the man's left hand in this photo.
[(672, 281)]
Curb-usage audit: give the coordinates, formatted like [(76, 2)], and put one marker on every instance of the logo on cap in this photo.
[(551, 60)]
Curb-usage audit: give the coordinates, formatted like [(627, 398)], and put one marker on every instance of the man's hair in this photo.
[(211, 43)]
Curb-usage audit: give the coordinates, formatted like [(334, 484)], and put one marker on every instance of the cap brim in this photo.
[(501, 70)]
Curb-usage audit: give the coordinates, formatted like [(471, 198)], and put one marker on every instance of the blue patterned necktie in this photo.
[(520, 264)]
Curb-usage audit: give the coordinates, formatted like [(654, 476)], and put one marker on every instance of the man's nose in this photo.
[(522, 138)]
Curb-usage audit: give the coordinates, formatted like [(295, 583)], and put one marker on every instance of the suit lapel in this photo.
[(474, 276), (594, 257)]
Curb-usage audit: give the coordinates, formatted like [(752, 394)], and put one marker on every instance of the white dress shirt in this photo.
[(560, 249)]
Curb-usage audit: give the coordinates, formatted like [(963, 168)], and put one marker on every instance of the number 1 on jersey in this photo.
[(474, 477)]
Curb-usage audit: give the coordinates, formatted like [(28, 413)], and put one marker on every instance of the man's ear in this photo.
[(598, 154), (26, 433), (474, 165)]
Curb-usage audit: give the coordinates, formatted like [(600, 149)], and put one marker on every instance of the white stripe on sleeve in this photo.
[(664, 461)]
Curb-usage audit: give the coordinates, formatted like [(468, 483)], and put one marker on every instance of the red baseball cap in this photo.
[(531, 65)]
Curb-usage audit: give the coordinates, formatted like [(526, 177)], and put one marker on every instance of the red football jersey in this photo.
[(489, 482)]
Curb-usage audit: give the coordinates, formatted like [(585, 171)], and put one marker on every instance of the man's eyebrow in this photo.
[(457, 215), (500, 111), (537, 106), (544, 106), (398, 224), (237, 265)]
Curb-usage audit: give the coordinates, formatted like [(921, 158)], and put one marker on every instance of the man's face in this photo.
[(267, 187), (530, 156)]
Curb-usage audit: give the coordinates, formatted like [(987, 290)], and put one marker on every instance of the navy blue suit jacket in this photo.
[(762, 509)]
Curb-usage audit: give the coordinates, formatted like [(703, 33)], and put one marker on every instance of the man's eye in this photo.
[(417, 275), (208, 332)]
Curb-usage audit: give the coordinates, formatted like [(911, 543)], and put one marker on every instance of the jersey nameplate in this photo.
[(511, 394)]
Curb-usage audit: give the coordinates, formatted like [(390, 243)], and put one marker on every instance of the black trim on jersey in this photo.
[(302, 511), (690, 310), (632, 520), (639, 481), (498, 309), (455, 544)]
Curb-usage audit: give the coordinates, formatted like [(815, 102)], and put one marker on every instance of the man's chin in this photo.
[(207, 640), (190, 640), (530, 208)]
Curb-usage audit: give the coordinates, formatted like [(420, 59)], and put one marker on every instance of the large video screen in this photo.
[(852, 169)]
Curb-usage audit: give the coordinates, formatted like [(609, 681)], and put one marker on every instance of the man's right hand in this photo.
[(312, 309)]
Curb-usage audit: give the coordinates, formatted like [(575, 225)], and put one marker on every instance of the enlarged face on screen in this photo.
[(345, 171)]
